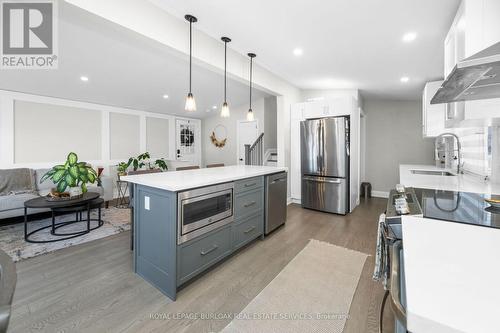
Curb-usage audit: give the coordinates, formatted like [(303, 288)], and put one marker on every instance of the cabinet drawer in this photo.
[(248, 184), (248, 203), (247, 230), (196, 256)]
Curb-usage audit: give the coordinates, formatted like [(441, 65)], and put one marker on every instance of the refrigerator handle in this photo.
[(347, 138)]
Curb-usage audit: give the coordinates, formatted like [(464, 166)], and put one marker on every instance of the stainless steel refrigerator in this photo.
[(325, 164)]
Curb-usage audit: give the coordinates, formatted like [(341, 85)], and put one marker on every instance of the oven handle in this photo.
[(204, 253), (395, 289)]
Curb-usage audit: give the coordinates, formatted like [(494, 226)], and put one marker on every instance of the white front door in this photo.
[(247, 132), (185, 142)]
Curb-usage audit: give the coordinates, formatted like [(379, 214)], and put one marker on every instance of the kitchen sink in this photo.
[(432, 172)]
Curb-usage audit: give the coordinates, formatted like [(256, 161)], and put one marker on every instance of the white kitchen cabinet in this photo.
[(433, 116), (475, 27), (491, 22)]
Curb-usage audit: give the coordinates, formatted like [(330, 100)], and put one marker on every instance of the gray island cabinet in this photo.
[(233, 217)]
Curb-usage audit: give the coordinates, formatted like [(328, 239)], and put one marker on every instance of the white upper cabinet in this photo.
[(433, 116), (475, 27), (491, 22)]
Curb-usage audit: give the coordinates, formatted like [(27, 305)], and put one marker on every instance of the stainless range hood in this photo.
[(476, 77)]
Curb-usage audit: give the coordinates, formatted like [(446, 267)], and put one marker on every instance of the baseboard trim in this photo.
[(380, 194)]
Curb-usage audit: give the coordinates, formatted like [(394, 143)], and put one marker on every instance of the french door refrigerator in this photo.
[(325, 164)]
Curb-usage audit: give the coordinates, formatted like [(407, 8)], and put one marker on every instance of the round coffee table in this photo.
[(88, 201)]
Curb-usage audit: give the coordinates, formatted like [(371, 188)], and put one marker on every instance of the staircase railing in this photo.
[(254, 153)]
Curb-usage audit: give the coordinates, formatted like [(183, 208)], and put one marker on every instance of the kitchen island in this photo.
[(186, 221)]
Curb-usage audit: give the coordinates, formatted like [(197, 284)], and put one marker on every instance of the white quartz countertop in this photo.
[(461, 182), (187, 179), (451, 276)]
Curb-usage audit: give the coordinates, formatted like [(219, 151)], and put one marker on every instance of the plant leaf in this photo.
[(59, 167), (69, 180), (72, 158), (91, 178), (58, 176), (47, 175), (61, 186), (74, 171), (83, 177), (84, 188)]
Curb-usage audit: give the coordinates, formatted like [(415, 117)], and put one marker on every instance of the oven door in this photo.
[(203, 210)]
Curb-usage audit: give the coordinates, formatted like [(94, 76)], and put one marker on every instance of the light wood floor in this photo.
[(91, 287)]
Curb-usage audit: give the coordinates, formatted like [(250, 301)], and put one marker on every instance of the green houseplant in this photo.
[(71, 174), (139, 162)]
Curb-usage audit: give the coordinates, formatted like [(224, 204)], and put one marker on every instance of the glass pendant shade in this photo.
[(190, 103), (250, 115), (224, 112)]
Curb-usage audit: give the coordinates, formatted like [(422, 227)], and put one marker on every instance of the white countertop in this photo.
[(461, 182), (451, 276), (183, 180)]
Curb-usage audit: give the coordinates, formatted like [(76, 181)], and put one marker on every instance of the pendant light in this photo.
[(224, 112), (190, 102), (250, 111)]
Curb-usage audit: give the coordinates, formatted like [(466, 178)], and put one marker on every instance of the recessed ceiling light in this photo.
[(214, 107), (165, 96), (84, 78), (405, 79), (409, 37), (298, 52)]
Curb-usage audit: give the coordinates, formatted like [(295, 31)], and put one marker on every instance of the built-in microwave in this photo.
[(202, 210)]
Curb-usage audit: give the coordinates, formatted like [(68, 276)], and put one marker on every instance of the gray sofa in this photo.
[(12, 203)]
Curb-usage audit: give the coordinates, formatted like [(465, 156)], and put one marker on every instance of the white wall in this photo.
[(228, 153), (393, 137), (106, 136), (270, 123)]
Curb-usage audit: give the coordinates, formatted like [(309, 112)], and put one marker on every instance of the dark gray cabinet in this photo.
[(196, 255), (165, 264)]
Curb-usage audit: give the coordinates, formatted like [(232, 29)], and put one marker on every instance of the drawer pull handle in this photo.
[(249, 230), (204, 253), (251, 184), (249, 204)]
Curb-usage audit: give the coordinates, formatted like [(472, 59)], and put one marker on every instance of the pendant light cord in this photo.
[(225, 72), (251, 61), (190, 52)]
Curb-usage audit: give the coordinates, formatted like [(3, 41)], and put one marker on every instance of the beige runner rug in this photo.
[(313, 293)]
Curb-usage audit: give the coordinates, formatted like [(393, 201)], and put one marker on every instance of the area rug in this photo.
[(313, 293), (12, 236)]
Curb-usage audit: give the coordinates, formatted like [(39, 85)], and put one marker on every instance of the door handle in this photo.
[(249, 230), (330, 181), (249, 204), (204, 253), (250, 184)]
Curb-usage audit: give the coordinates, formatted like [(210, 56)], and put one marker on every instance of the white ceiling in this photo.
[(346, 43), (124, 69)]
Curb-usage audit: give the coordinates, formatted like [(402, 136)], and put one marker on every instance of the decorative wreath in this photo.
[(218, 143)]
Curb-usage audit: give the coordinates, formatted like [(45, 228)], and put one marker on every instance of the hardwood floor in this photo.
[(91, 287)]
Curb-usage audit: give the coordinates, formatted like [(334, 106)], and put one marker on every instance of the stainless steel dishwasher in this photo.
[(276, 194)]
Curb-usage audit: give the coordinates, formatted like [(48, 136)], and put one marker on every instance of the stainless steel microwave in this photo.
[(202, 210)]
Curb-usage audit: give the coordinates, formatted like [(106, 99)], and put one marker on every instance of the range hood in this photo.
[(476, 77)]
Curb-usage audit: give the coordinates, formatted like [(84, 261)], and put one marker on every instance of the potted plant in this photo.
[(73, 175), (140, 162)]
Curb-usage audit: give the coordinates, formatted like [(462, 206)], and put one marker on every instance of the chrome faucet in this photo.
[(459, 149)]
